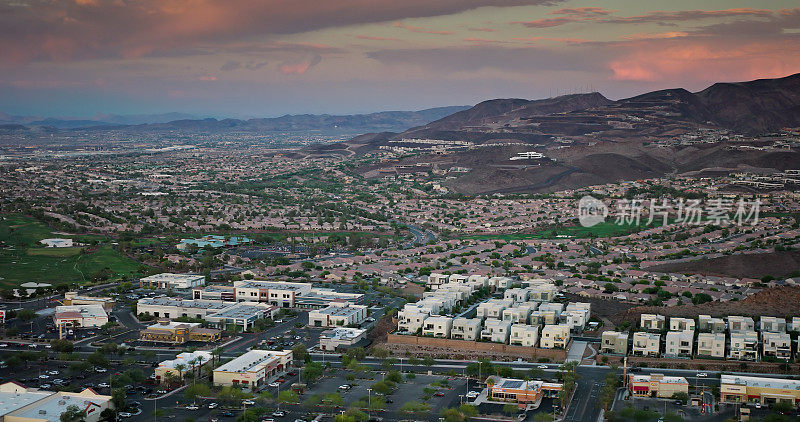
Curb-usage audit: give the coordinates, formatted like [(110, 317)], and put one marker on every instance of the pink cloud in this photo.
[(420, 30), (483, 29), (373, 38), (300, 66)]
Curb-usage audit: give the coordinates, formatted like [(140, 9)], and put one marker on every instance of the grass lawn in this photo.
[(22, 259), (605, 229)]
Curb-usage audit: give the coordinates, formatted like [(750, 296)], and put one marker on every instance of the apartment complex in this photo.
[(614, 343), (777, 345), (646, 344), (711, 345), (252, 370), (555, 336), (524, 335), (437, 326), (465, 329), (679, 343), (744, 346), (652, 322)]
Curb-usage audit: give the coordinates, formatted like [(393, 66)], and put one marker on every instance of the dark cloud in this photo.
[(230, 65), (68, 30)]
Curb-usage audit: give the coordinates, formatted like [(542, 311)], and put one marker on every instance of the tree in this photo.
[(26, 314), (288, 396), (62, 346), (542, 417), (197, 390), (299, 352), (73, 414), (510, 409), (569, 379), (312, 372)]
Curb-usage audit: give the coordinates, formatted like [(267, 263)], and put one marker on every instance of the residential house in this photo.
[(524, 335), (681, 324), (744, 345), (652, 322), (437, 326), (740, 324), (555, 336), (711, 345), (496, 330), (777, 345), (679, 343), (646, 344), (465, 329), (614, 343)]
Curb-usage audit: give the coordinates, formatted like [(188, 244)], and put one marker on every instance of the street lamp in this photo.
[(369, 401)]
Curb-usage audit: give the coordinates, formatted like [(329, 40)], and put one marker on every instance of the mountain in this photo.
[(97, 120), (590, 139)]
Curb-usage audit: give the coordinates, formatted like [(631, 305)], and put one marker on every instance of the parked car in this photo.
[(192, 407), (279, 413), (702, 375), (438, 394), (248, 402), (213, 405), (274, 384), (125, 414)]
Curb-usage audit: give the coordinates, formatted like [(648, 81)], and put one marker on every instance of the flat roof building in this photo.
[(80, 316), (555, 336), (167, 281), (20, 404), (171, 332), (614, 343), (524, 335), (711, 345), (646, 344), (338, 314), (744, 389), (465, 329), (251, 370), (183, 363), (341, 338), (657, 385)]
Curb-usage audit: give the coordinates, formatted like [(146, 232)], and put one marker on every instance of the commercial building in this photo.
[(744, 346), (519, 391), (465, 329), (242, 314), (646, 344), (681, 324), (171, 332), (338, 314), (742, 389), (80, 316), (168, 281), (342, 338), (776, 345), (75, 298), (711, 345), (284, 294), (252, 370), (679, 343), (437, 326), (216, 312), (652, 322), (21, 404), (740, 324), (524, 335), (657, 385), (614, 343), (183, 363), (555, 336), (496, 330), (709, 324)]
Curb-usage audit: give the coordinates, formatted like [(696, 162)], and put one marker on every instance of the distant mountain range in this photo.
[(354, 124), (595, 140)]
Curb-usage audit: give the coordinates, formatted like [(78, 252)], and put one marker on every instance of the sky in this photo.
[(260, 58)]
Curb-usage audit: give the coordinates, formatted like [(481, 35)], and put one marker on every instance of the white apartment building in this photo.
[(646, 344), (465, 329), (744, 345), (80, 316), (652, 322), (435, 280), (517, 295), (252, 370), (740, 324), (519, 313), (493, 308), (777, 345), (542, 292), (772, 324), (679, 343), (524, 335), (576, 318), (795, 325), (555, 336), (614, 342), (437, 326), (173, 281), (411, 318), (338, 314), (707, 323), (681, 324), (496, 330), (501, 282), (711, 345), (580, 306)]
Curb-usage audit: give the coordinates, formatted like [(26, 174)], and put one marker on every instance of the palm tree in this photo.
[(180, 368)]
